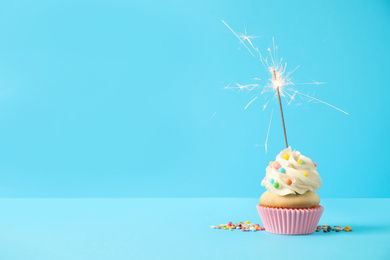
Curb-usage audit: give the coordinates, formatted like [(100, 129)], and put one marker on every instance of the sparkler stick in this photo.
[(281, 110)]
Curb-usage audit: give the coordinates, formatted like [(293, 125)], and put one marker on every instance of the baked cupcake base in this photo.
[(290, 221)]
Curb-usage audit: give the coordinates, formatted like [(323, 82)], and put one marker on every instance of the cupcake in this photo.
[(290, 205)]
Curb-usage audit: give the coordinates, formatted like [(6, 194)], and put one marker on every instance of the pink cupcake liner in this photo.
[(288, 221)]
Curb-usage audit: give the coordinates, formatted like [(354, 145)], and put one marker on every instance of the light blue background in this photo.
[(114, 98)]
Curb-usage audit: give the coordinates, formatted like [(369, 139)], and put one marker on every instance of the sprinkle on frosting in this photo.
[(295, 175), (276, 165)]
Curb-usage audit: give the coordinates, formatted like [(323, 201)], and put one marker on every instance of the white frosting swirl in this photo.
[(296, 179)]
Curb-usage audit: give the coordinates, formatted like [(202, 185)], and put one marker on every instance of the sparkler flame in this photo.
[(279, 82)]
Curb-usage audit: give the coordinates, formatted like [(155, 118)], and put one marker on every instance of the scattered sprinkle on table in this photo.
[(327, 228), (247, 226), (243, 226)]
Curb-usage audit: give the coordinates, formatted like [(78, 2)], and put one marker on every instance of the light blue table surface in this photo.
[(180, 229)]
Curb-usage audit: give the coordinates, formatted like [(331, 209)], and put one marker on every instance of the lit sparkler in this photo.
[(280, 82)]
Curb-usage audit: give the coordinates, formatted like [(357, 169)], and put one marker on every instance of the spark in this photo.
[(279, 78), (228, 86), (264, 107), (282, 80), (213, 115), (291, 72), (323, 102), (238, 38), (250, 102), (291, 96), (248, 87), (269, 127), (311, 83), (245, 37)]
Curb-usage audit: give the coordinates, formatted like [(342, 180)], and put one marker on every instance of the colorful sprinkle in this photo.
[(306, 174), (276, 185), (315, 164), (247, 226), (271, 181), (300, 161), (282, 170), (276, 165), (288, 182), (286, 156), (270, 163)]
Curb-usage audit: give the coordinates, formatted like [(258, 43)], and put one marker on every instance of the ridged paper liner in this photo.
[(288, 221)]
